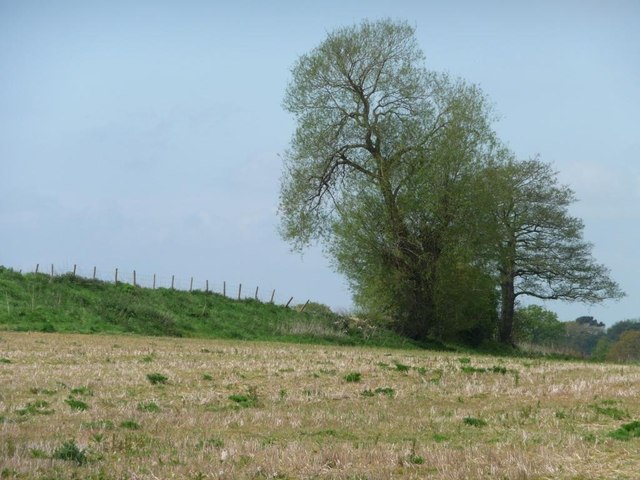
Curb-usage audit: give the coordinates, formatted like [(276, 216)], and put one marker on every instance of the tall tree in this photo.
[(540, 249), (378, 165)]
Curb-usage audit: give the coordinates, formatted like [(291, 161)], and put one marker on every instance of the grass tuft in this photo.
[(353, 377), (71, 452), (474, 422), (157, 378), (627, 431)]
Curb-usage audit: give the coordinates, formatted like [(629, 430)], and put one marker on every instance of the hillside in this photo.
[(72, 304)]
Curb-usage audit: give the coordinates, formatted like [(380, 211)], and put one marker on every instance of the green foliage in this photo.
[(150, 407), (538, 245), (6, 361), (537, 325), (353, 377), (157, 378), (402, 368), (627, 431), (610, 411), (38, 407), (627, 348), (130, 425), (601, 349), (581, 338), (84, 391), (248, 400), (474, 422), (617, 329), (76, 404), (71, 452), (381, 168)]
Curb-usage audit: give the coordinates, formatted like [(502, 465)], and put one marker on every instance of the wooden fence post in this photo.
[(273, 292), (304, 306), (173, 278), (94, 272), (37, 266), (191, 284), (116, 276), (52, 270), (74, 269), (256, 295), (224, 289), (287, 305), (206, 288), (134, 278), (239, 291), (154, 281)]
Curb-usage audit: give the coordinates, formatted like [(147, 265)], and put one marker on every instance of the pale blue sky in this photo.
[(145, 134)]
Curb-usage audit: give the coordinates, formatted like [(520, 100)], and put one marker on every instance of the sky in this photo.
[(148, 135)]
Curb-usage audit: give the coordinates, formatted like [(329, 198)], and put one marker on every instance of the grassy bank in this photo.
[(107, 407), (67, 303)]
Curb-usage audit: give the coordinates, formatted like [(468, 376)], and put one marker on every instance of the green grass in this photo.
[(72, 304), (627, 431)]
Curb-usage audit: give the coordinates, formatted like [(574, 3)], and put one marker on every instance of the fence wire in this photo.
[(145, 280)]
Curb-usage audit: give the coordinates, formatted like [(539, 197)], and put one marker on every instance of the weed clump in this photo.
[(150, 407), (248, 400), (70, 451), (474, 422), (627, 431), (76, 404), (157, 379), (130, 425), (39, 407), (612, 412), (353, 377)]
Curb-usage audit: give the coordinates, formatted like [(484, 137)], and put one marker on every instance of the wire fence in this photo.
[(236, 291)]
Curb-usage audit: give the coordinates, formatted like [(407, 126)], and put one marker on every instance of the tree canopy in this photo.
[(397, 171)]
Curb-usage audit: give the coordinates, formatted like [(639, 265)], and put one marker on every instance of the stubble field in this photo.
[(119, 407)]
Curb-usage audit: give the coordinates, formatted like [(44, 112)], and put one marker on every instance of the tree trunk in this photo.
[(507, 309)]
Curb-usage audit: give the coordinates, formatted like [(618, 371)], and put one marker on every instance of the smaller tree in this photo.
[(537, 325), (583, 338), (539, 246), (627, 349), (617, 329)]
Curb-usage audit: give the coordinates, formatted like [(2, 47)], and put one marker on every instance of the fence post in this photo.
[(74, 269), (239, 291), (94, 272), (154, 281), (173, 278), (287, 305), (134, 278), (37, 266), (52, 270), (206, 288), (256, 295), (304, 306), (191, 284), (273, 292), (224, 289), (116, 276)]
